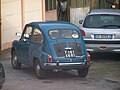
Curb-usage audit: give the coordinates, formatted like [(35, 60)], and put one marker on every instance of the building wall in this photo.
[(78, 10), (51, 15), (33, 10), (11, 21), (77, 14), (14, 15), (50, 10), (94, 4), (0, 24)]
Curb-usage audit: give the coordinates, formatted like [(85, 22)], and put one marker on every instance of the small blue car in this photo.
[(52, 46)]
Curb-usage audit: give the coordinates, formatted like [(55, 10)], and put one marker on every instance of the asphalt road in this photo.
[(104, 74)]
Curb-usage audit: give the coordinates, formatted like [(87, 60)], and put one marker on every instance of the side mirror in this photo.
[(18, 34), (81, 21)]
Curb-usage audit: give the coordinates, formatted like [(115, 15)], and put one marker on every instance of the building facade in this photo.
[(15, 14)]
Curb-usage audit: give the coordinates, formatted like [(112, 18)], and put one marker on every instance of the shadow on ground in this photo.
[(105, 56)]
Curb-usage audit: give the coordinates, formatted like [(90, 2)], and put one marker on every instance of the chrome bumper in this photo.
[(64, 64)]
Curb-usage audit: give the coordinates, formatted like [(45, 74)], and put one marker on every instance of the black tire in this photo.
[(3, 71), (40, 73), (82, 72), (0, 87), (15, 64)]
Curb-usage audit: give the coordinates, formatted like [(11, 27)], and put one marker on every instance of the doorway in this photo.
[(63, 10)]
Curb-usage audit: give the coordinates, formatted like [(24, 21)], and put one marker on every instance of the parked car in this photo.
[(101, 30), (51, 46), (2, 76)]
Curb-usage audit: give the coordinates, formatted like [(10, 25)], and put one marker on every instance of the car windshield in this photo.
[(102, 21), (63, 34)]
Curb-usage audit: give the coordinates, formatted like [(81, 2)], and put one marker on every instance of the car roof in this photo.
[(105, 11), (53, 25)]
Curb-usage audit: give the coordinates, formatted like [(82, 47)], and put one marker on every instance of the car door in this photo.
[(24, 43), (36, 44)]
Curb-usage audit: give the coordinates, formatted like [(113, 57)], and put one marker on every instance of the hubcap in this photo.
[(38, 70), (14, 60)]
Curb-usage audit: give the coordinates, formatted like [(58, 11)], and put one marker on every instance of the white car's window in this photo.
[(102, 21)]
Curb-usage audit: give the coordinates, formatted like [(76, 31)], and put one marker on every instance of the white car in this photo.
[(101, 30)]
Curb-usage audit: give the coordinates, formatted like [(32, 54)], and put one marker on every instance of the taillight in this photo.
[(89, 57), (49, 58), (83, 32)]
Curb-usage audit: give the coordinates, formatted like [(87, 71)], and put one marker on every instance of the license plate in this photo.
[(69, 53), (103, 36)]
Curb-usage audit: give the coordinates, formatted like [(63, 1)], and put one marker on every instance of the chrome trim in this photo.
[(86, 39), (90, 50), (63, 64), (116, 50)]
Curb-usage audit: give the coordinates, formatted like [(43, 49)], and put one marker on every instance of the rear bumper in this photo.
[(104, 46), (66, 65)]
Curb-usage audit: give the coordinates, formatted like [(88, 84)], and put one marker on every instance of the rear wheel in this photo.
[(0, 87), (82, 72), (15, 63), (40, 73)]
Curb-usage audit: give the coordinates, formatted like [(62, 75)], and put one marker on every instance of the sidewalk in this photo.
[(5, 55)]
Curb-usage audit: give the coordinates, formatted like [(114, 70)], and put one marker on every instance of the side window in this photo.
[(37, 36), (28, 32)]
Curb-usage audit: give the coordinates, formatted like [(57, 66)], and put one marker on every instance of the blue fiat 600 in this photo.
[(51, 46)]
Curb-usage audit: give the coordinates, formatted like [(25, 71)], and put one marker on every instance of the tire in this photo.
[(0, 87), (15, 64), (82, 72), (40, 73)]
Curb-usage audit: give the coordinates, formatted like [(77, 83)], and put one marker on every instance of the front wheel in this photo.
[(40, 73), (15, 63), (82, 72)]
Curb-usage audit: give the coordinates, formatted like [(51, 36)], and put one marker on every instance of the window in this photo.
[(37, 36), (102, 21), (27, 32), (63, 34), (50, 5)]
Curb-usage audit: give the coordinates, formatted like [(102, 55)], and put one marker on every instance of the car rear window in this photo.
[(63, 34), (102, 21)]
